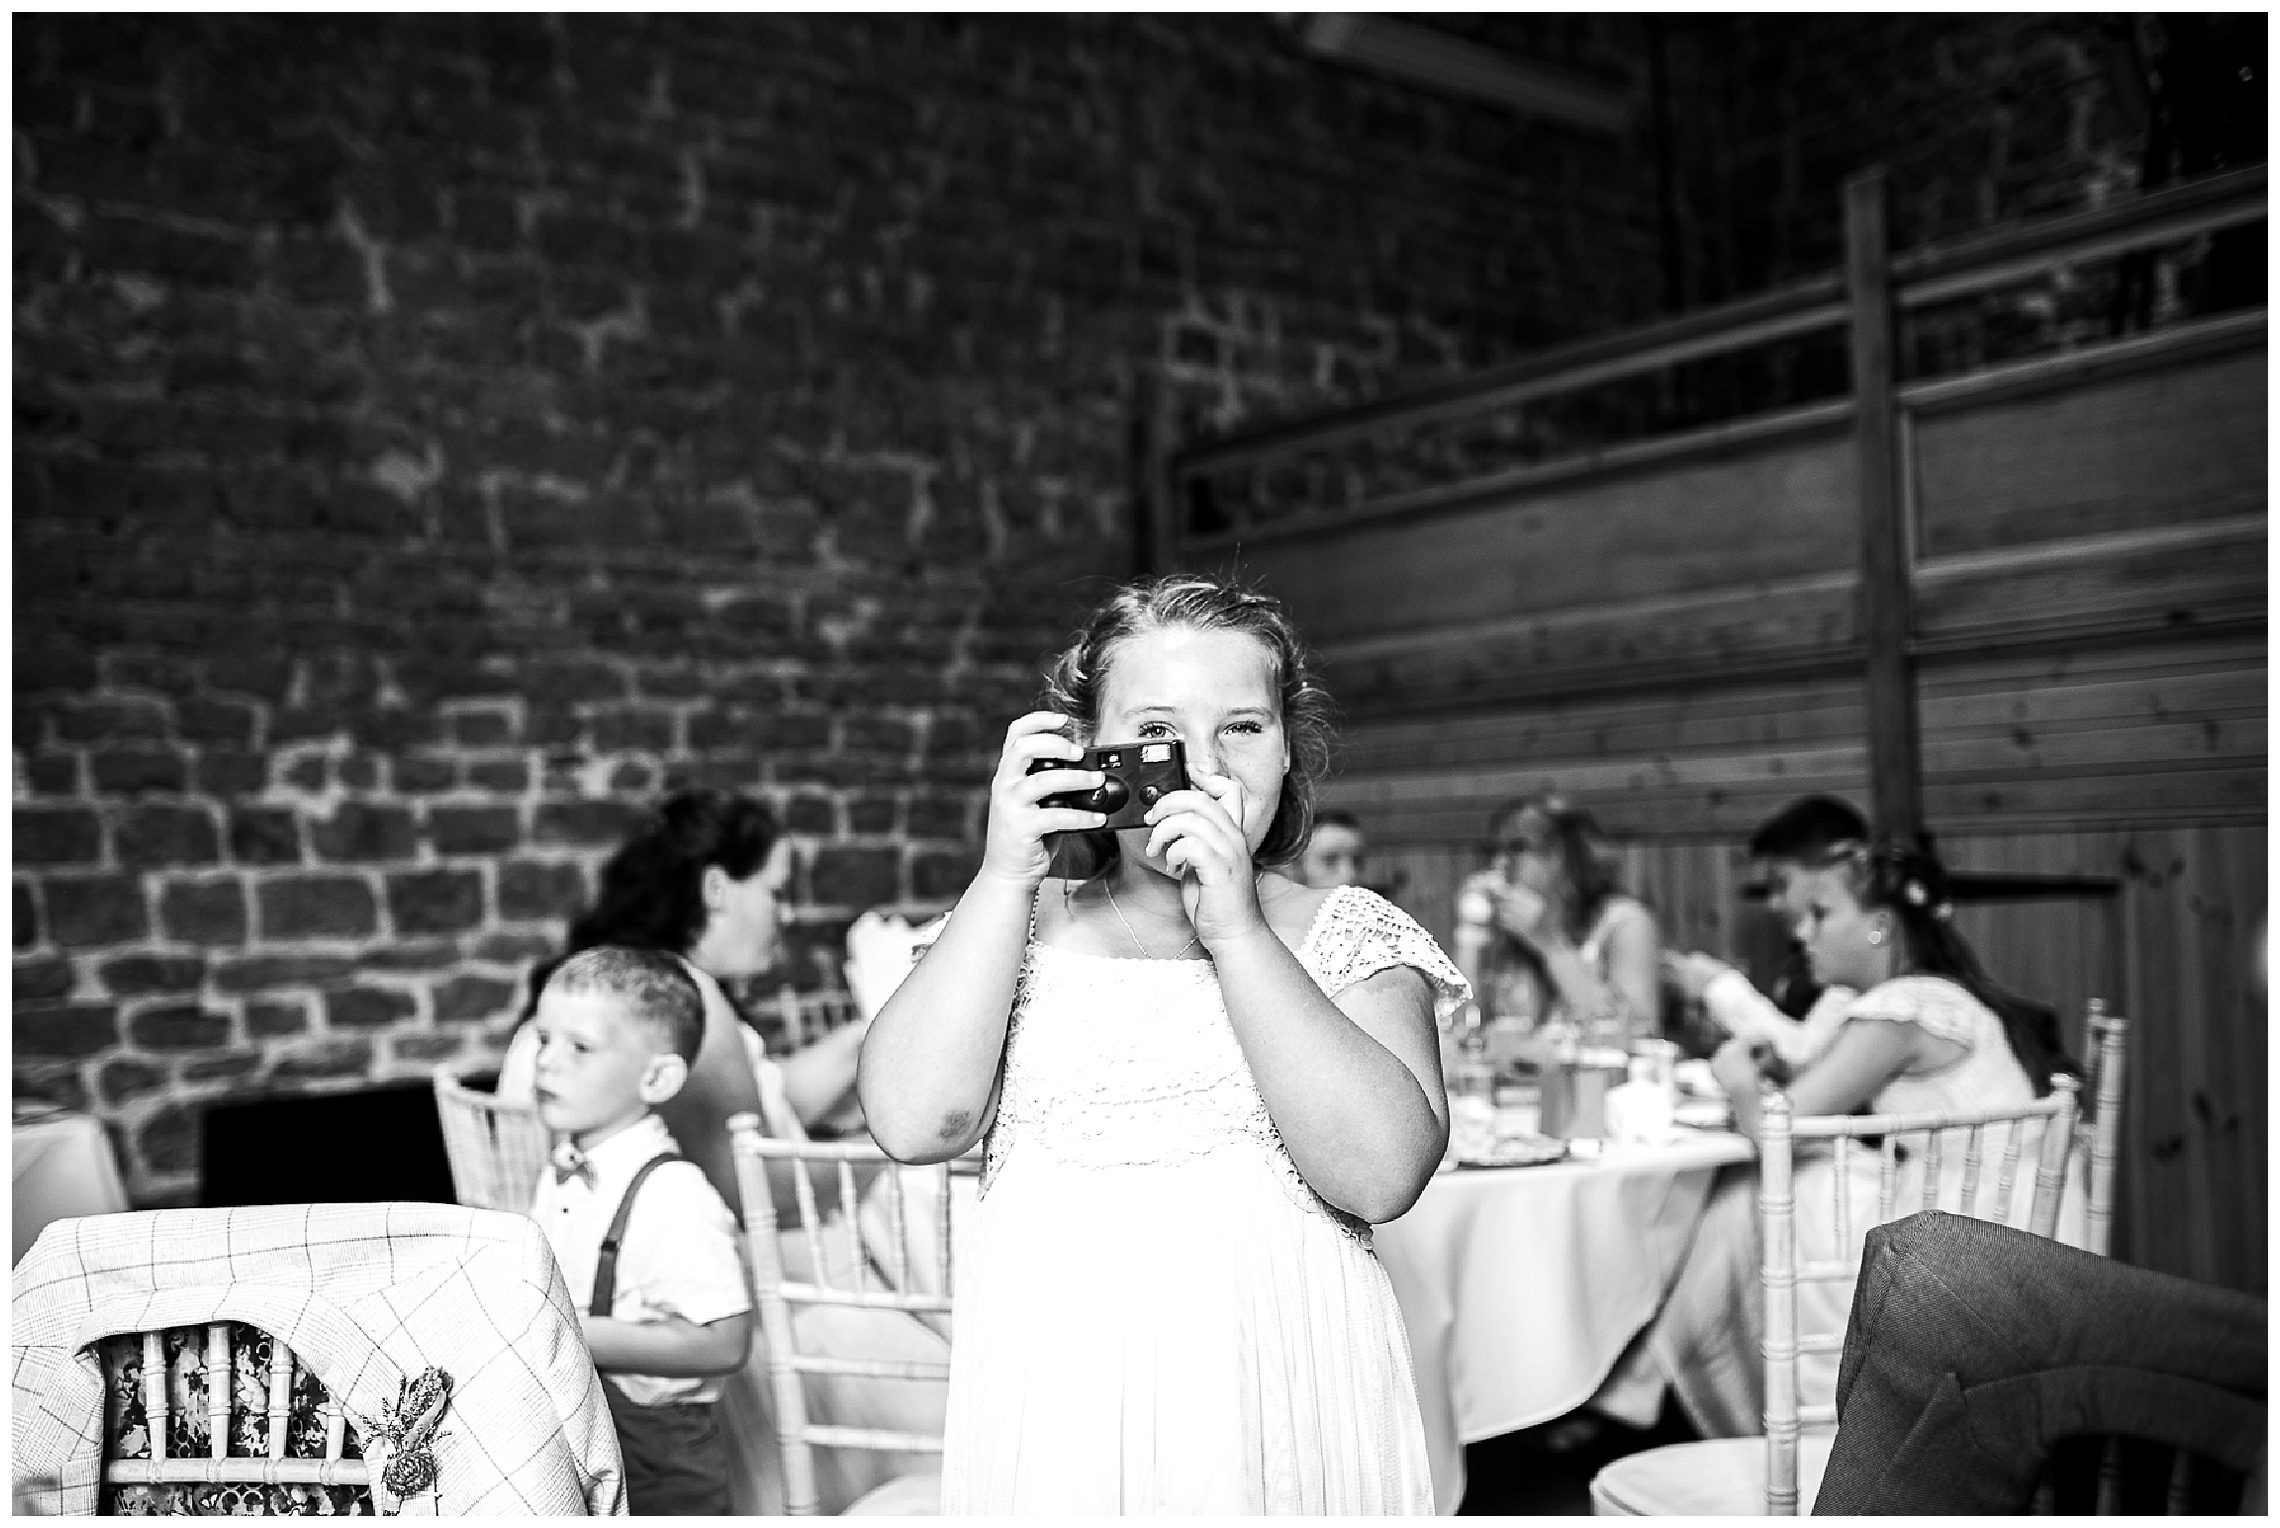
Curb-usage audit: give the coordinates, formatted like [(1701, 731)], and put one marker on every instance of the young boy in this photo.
[(1333, 855), (637, 1225), (1800, 1017)]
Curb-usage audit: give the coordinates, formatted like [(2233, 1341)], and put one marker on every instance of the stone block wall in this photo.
[(436, 436)]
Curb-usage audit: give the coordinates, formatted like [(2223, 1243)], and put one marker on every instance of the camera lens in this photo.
[(1112, 794)]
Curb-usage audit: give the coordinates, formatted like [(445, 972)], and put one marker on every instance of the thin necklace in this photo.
[(1145, 953)]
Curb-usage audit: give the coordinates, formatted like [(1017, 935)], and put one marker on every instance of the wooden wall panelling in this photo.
[(2233, 864), (1704, 719), (2147, 796), (2057, 748), (2147, 449), (1775, 510), (1800, 627), (2174, 953), (2209, 677), (2198, 898), (2154, 583), (1716, 797)]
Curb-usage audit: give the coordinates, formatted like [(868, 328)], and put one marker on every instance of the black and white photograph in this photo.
[(1140, 763)]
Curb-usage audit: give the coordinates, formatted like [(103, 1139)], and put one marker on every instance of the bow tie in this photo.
[(569, 1162)]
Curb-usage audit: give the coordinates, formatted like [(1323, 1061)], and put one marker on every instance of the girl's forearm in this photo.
[(1356, 1121), (930, 1062), (671, 1348)]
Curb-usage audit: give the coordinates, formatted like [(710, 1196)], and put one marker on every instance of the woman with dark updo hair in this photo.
[(704, 877)]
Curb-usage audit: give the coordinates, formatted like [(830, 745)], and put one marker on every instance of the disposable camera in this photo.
[(1138, 775)]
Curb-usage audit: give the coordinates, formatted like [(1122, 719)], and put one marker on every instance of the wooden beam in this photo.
[(2156, 217), (1895, 764), (1804, 307), (1438, 61)]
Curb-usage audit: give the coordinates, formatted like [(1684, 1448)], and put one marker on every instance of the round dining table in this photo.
[(1521, 1286)]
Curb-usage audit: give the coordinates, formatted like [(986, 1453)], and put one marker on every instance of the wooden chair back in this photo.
[(779, 1297), (258, 1481), (496, 1149), (1782, 1270)]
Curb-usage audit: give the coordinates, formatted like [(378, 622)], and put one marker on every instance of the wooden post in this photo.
[(1895, 771)]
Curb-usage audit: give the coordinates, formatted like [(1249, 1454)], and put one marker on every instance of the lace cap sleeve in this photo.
[(1359, 933), (1932, 1003)]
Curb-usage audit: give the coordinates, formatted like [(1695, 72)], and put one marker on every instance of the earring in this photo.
[(1876, 936)]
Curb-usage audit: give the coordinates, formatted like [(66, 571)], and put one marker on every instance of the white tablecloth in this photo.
[(62, 1167), (1521, 1286)]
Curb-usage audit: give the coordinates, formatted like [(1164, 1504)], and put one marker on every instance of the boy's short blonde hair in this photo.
[(659, 994)]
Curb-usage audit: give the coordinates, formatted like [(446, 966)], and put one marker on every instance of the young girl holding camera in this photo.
[(1199, 1083)]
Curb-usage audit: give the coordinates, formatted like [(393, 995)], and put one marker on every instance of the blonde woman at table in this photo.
[(1550, 909), (1930, 1032), (705, 877), (1199, 1083)]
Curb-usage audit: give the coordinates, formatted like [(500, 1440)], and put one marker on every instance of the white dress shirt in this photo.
[(1741, 1010), (678, 1257)]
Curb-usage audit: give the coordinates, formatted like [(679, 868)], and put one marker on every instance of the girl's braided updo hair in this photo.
[(1074, 681)]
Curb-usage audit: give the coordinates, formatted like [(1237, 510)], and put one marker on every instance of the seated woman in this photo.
[(1549, 914), (704, 877), (1930, 1032)]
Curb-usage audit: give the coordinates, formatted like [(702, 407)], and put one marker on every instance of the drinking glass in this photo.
[(1660, 1064)]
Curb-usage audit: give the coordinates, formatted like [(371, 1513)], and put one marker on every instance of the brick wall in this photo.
[(1979, 119), (435, 436)]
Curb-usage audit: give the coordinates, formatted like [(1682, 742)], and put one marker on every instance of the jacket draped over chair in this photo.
[(366, 1296)]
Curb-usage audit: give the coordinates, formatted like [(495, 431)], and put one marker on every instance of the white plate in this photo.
[(1520, 1151)]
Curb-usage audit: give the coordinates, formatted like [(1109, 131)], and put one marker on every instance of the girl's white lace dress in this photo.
[(1158, 1315)]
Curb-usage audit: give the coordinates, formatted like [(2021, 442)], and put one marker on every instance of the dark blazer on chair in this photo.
[(1973, 1348)]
